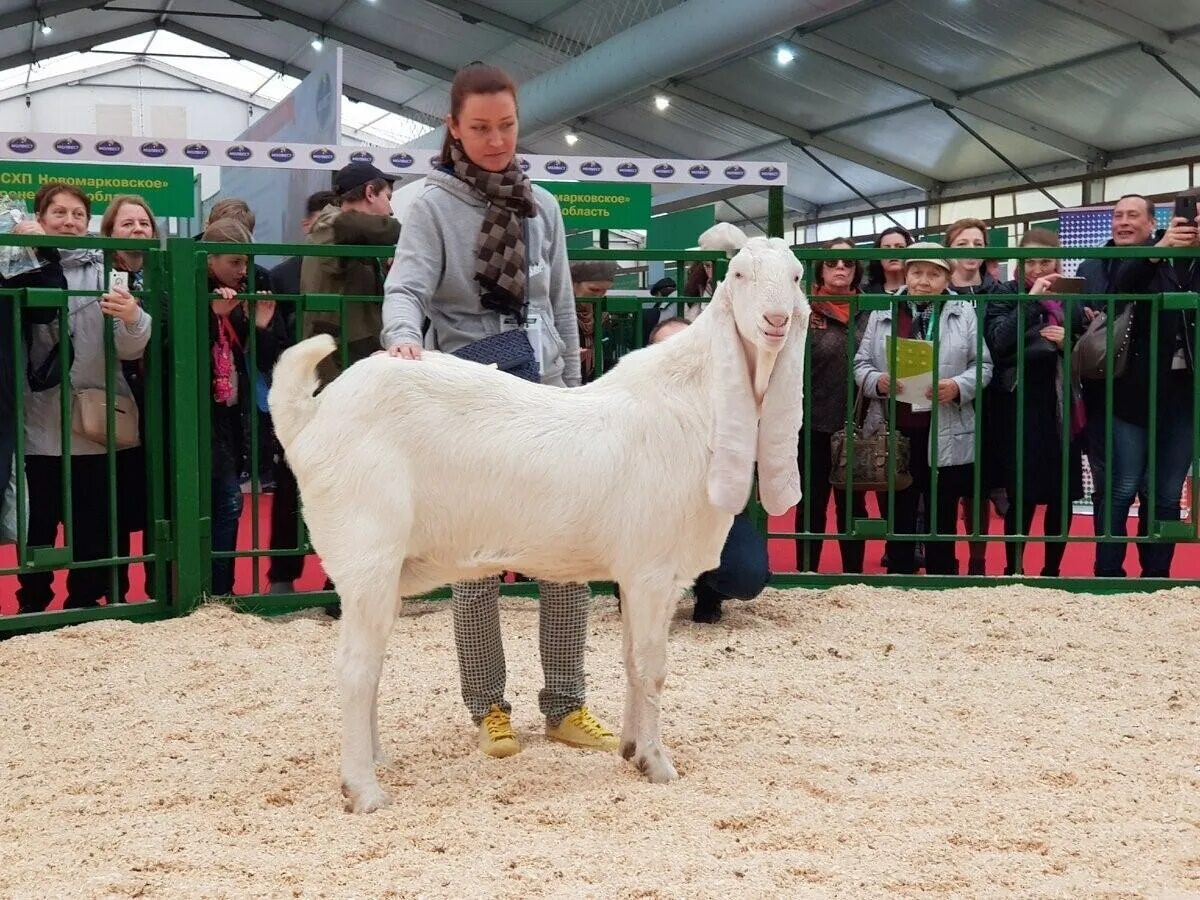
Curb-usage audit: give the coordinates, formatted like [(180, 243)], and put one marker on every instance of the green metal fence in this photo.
[(177, 550)]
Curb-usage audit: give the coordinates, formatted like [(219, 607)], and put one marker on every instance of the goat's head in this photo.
[(760, 326)]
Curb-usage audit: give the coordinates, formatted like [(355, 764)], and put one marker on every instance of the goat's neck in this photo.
[(761, 363)]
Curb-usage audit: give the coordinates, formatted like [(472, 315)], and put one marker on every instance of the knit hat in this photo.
[(927, 245), (593, 270)]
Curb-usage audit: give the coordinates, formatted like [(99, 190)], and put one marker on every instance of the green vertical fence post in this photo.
[(185, 370), (775, 212)]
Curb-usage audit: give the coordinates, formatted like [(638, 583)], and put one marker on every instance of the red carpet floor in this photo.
[(1077, 562)]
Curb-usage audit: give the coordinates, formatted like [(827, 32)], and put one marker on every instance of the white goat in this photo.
[(417, 474)]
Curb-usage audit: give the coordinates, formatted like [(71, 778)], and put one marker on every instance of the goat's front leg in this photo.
[(646, 615), (633, 695), (366, 624)]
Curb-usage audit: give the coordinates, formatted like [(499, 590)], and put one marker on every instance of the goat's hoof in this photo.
[(656, 766), (628, 748), (364, 800)]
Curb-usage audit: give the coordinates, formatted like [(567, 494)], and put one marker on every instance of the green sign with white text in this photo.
[(168, 189), (601, 205)]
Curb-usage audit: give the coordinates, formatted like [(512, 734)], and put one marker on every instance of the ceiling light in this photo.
[(661, 102), (784, 55), (572, 138), (46, 29), (318, 43)]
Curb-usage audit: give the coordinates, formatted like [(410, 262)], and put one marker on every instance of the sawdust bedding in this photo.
[(845, 743)]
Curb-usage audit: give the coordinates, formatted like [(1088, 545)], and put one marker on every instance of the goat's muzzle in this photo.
[(775, 327)]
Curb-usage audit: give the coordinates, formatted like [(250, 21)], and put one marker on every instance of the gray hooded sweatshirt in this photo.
[(433, 277), (84, 271)]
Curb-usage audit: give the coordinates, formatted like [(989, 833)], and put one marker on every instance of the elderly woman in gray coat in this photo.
[(959, 376)]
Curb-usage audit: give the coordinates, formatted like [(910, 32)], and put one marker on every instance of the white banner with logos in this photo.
[(311, 112), (281, 155)]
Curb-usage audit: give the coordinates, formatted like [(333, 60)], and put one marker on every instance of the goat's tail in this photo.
[(293, 384)]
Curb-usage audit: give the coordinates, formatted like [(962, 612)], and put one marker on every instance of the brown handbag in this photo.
[(89, 415), (1088, 356), (871, 456)]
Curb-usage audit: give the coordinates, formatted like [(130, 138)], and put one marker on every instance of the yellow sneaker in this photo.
[(581, 729), (496, 736)]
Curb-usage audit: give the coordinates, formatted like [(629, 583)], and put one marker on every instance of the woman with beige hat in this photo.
[(925, 309)]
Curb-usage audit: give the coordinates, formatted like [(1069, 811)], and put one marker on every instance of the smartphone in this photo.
[(1185, 207), (118, 279), (1068, 286)]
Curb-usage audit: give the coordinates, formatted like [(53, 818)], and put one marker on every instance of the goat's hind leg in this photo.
[(646, 614), (370, 598)]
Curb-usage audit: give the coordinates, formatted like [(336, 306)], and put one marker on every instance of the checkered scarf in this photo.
[(500, 249)]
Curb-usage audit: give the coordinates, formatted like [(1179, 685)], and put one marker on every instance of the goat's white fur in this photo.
[(419, 474)]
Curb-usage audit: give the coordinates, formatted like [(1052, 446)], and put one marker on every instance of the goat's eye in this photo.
[(737, 274), (796, 279)]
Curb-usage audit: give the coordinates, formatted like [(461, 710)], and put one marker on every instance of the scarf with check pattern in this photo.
[(500, 251)]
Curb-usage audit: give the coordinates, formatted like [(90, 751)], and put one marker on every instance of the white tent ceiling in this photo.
[(896, 97)]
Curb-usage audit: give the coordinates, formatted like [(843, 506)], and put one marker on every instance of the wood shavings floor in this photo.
[(845, 743)]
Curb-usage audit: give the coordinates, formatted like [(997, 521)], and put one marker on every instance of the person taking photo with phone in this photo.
[(1172, 358), (1042, 330)]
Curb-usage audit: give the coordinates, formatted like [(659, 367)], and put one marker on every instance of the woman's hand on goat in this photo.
[(406, 351)]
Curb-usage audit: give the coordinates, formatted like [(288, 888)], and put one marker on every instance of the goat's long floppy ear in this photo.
[(782, 415), (734, 430)]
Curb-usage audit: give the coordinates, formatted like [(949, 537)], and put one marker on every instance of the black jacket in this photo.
[(1176, 331), (229, 448), (1100, 275), (1000, 326), (49, 275)]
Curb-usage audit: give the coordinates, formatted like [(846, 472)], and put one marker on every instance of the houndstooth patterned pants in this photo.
[(562, 637)]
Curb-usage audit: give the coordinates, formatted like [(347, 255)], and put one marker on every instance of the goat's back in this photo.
[(502, 473)]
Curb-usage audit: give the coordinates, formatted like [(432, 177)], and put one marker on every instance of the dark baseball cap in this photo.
[(355, 175)]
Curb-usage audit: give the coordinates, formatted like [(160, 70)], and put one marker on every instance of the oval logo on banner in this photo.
[(524, 165), (592, 168), (736, 173), (239, 153), (108, 148), (556, 167), (21, 145), (627, 170), (281, 154), (700, 171), (664, 170), (768, 173), (196, 151), (401, 160), (153, 149), (322, 156), (361, 156), (68, 146)]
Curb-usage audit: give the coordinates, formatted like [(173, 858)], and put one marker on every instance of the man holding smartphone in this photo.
[(1133, 224), (1171, 357)]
